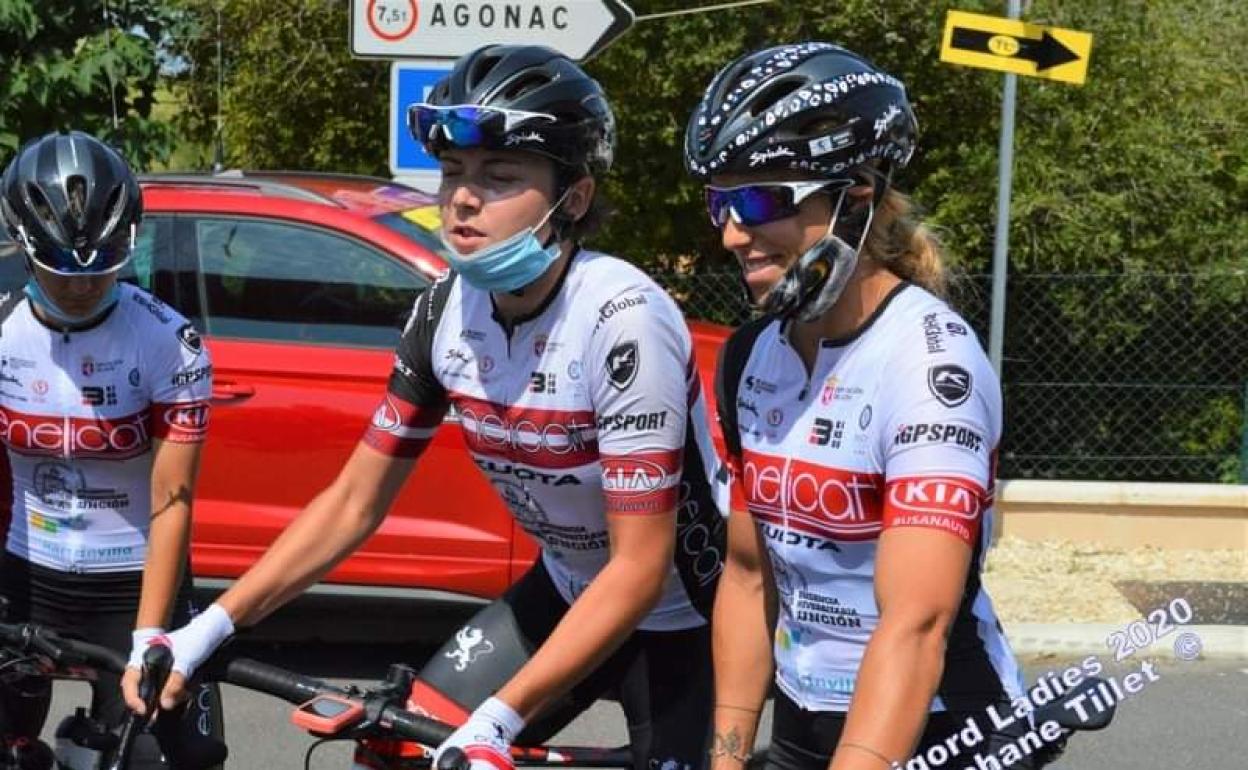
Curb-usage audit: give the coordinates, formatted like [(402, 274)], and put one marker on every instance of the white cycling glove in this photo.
[(193, 643), (486, 737), (140, 638)]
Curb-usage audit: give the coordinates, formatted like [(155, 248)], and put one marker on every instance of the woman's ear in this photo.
[(580, 196)]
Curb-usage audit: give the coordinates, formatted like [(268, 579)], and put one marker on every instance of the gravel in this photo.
[(1054, 581)]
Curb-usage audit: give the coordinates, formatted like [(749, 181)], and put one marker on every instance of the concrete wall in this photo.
[(1120, 513)]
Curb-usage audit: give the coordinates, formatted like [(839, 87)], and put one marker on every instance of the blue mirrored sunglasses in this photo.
[(466, 125), (757, 204)]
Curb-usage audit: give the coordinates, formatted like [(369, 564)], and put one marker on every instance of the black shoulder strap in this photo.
[(732, 361)]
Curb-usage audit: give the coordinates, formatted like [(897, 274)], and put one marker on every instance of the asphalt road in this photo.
[(1193, 715)]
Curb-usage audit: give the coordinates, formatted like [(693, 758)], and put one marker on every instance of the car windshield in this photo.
[(419, 225)]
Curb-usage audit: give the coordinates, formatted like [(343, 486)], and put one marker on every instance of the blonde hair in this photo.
[(900, 242)]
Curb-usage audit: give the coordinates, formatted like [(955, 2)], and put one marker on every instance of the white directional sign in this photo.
[(446, 29)]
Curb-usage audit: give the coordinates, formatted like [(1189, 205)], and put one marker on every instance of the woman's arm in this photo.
[(327, 531), (920, 576), (742, 627), (603, 616), (174, 467)]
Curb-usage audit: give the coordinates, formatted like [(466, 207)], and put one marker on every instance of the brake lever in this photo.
[(157, 663)]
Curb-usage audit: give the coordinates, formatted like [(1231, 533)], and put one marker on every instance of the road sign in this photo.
[(441, 29), (411, 82), (1008, 45)]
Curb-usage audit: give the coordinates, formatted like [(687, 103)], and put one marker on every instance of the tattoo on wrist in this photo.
[(729, 745)]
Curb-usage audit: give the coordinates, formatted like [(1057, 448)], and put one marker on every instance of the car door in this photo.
[(302, 322)]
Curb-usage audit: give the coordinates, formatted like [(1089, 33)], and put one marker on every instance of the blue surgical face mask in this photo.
[(36, 294), (510, 264)]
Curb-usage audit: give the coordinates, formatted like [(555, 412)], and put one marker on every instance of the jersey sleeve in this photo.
[(180, 379), (642, 383), (939, 442), (415, 401)]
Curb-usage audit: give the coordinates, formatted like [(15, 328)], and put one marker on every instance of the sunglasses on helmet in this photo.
[(757, 204), (466, 125)]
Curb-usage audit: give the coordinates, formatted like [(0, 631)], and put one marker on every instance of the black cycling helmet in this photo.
[(72, 203), (812, 107), (569, 119)]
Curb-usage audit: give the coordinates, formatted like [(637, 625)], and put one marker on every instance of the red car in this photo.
[(301, 284)]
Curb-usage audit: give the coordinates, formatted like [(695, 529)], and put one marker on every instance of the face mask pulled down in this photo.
[(817, 279), (510, 264)]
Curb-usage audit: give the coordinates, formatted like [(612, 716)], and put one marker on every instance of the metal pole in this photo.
[(1001, 241), (1243, 441)]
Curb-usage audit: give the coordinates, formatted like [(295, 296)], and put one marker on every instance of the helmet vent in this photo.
[(522, 85), (773, 94), (482, 67), (40, 205), (115, 207), (76, 198)]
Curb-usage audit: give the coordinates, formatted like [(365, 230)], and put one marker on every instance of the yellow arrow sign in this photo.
[(1008, 45)]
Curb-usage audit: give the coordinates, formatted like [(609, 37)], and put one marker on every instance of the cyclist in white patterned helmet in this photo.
[(862, 421)]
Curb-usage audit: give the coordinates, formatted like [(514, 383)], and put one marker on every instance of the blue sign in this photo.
[(410, 83)]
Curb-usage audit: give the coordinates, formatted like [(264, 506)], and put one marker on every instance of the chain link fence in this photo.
[(1140, 376)]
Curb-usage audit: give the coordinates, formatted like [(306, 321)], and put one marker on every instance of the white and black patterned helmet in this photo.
[(533, 79), (813, 107), (72, 203)]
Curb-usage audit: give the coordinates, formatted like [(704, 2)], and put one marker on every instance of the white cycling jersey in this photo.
[(896, 426), (590, 406), (78, 413)]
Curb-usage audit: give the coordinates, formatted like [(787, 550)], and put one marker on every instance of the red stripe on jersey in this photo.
[(118, 438), (951, 503), (542, 438), (817, 499), (185, 423), (642, 482), (402, 429)]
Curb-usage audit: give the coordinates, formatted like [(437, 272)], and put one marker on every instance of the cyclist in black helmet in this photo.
[(104, 396), (573, 380), (861, 419)]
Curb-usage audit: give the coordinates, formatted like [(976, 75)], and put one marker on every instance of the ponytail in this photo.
[(904, 245)]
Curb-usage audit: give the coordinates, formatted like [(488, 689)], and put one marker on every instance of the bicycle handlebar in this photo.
[(63, 652), (297, 689)]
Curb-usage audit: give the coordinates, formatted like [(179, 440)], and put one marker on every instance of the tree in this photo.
[(293, 96), (73, 65)]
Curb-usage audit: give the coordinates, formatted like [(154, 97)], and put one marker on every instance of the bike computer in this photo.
[(327, 714)]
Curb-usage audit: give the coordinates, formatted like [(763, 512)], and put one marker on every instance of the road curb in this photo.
[(1182, 642)]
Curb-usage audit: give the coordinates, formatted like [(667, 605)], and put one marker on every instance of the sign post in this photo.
[(439, 29), (1015, 48), (410, 83)]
